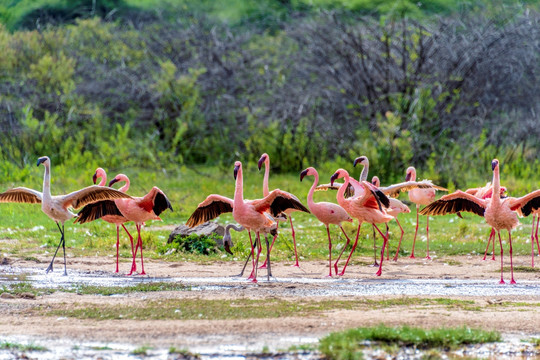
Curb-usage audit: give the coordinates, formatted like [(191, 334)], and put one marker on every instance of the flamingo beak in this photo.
[(41, 160), (236, 171), (408, 176), (333, 178), (94, 178), (303, 174), (357, 160), (227, 246), (261, 161), (113, 181)]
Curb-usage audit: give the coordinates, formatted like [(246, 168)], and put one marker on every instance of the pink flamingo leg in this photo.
[(491, 236), (134, 264), (388, 247), (258, 243), (329, 251), (427, 239), (385, 240), (415, 233), (117, 245), (493, 249), (511, 263), (532, 242), (294, 243), (500, 242), (375, 263), (352, 251), (263, 266), (536, 234), (139, 244), (252, 256), (342, 250), (401, 238)]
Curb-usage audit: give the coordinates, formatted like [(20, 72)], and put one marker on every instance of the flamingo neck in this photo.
[(312, 190), (496, 194), (266, 191), (103, 180), (47, 181), (340, 197), (124, 188), (238, 190), (365, 171)]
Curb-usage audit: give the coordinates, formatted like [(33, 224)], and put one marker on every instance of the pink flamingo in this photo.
[(366, 207), (265, 159), (96, 210), (326, 212), (419, 197), (251, 214), (534, 235), (396, 207), (499, 213), (139, 210)]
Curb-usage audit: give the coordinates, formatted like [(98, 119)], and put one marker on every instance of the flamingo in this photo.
[(419, 197), (139, 210), (536, 216), (57, 207), (326, 212), (396, 207), (265, 159), (365, 207), (251, 214), (499, 213), (96, 210)]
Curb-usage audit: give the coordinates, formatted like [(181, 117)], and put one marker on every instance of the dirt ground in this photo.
[(523, 319)]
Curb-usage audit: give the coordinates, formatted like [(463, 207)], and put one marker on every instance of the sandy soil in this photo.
[(523, 319)]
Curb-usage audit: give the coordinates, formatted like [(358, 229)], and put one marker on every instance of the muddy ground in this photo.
[(460, 277)]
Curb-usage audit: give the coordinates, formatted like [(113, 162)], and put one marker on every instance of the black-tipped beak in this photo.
[(227, 246), (357, 160), (94, 178), (333, 178), (261, 161), (41, 160), (236, 171), (494, 164), (408, 177), (113, 181), (303, 174), (459, 215)]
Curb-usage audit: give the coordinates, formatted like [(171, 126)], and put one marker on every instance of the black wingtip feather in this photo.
[(96, 211), (161, 203)]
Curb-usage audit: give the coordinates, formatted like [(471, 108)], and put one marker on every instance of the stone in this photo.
[(7, 296), (205, 229), (27, 295)]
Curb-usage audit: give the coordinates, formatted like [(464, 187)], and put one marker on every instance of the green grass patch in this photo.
[(348, 344), (521, 268), (141, 351), (140, 287), (21, 347), (193, 243), (20, 288)]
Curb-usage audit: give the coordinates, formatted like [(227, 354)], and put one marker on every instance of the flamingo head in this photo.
[(237, 167), (410, 175), (375, 181), (494, 164), (99, 174), (43, 160), (265, 159), (362, 160), (338, 175), (306, 172), (503, 190)]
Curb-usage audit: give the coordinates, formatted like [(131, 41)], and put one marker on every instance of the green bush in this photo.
[(195, 244)]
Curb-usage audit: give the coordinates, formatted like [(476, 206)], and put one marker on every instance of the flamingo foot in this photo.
[(493, 258), (142, 273), (412, 256), (502, 281), (395, 258), (374, 264), (378, 273), (263, 266), (341, 273), (484, 259), (296, 265), (254, 280), (428, 257), (512, 281)]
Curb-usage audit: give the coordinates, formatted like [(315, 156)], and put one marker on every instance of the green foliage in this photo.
[(21, 347), (348, 344), (193, 243)]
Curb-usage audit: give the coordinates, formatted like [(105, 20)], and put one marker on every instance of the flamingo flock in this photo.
[(363, 201)]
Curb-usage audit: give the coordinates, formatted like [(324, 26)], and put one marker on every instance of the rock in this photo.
[(5, 261), (7, 296), (27, 295), (204, 229)]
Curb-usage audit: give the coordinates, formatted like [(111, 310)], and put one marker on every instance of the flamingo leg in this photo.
[(134, 254), (427, 239), (117, 245), (140, 245), (269, 271), (352, 250), (415, 233), (374, 248), (258, 243), (263, 266), (329, 251), (491, 237), (50, 267), (132, 250), (385, 240), (342, 250), (500, 242), (536, 234), (511, 263), (532, 242), (388, 247), (252, 254), (294, 243), (401, 238), (245, 264)]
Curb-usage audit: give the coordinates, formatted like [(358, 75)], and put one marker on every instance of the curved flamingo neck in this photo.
[(266, 190), (123, 177), (340, 197), (413, 175), (103, 175), (238, 189), (365, 171), (47, 180), (312, 190)]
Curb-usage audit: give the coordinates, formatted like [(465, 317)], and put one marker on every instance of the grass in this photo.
[(198, 309), (348, 344), (21, 347), (141, 351), (141, 287)]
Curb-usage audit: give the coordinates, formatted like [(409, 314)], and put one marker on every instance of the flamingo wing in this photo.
[(349, 192), (158, 201), (455, 203), (525, 204), (373, 197), (21, 195), (97, 210), (210, 208), (91, 194), (277, 202), (396, 189)]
